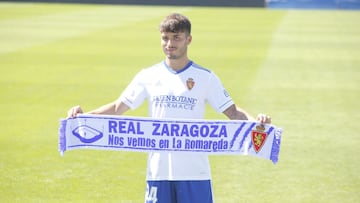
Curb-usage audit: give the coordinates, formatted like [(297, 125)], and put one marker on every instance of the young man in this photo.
[(176, 88)]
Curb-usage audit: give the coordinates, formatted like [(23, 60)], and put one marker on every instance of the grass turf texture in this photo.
[(301, 67)]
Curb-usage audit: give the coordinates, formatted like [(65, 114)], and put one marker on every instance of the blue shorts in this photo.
[(179, 192)]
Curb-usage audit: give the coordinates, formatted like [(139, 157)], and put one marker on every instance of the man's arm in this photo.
[(113, 108), (236, 113)]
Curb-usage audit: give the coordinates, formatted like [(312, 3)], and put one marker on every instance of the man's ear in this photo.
[(189, 39)]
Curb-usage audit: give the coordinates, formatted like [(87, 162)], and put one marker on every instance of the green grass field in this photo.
[(301, 67)]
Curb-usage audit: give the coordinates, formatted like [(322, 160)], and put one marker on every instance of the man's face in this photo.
[(175, 44)]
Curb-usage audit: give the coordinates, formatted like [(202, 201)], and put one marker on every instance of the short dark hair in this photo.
[(175, 22)]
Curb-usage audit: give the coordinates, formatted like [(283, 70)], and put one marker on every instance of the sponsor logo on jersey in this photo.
[(190, 83), (174, 102), (258, 137)]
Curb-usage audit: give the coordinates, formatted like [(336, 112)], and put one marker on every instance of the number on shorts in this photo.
[(151, 195)]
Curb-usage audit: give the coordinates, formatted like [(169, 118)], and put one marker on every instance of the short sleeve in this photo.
[(217, 96), (135, 93)]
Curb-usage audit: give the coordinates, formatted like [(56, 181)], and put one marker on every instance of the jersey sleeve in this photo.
[(218, 97), (135, 93)]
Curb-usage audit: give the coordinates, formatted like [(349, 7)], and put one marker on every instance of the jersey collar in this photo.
[(179, 71)]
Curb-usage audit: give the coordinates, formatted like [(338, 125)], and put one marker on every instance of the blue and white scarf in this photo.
[(172, 135)]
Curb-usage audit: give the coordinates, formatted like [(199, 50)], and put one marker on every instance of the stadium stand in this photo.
[(314, 4), (222, 3)]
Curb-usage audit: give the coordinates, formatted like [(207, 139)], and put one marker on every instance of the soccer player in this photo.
[(176, 88)]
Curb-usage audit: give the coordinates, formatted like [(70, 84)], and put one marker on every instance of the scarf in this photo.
[(142, 134)]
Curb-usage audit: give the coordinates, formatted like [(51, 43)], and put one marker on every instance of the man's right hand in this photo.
[(74, 111)]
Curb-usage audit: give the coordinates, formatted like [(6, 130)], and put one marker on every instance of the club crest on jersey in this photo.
[(258, 137), (190, 83)]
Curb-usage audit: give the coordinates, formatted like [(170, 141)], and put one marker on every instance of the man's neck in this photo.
[(177, 64)]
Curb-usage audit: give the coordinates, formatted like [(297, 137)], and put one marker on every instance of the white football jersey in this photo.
[(177, 94)]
